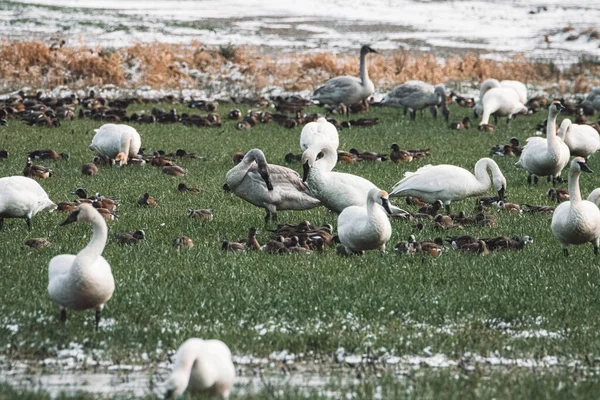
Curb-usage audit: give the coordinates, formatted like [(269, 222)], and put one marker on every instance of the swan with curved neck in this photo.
[(272, 187), (366, 227), (449, 183), (116, 141), (576, 221), (545, 157), (83, 281), (417, 95), (348, 90), (582, 140), (203, 367)]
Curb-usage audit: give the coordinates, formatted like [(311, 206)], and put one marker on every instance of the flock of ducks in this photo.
[(365, 213)]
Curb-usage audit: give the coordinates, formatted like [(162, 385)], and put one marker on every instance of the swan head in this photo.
[(556, 107), (121, 159), (579, 164), (83, 212), (309, 157), (258, 156), (381, 197), (366, 49)]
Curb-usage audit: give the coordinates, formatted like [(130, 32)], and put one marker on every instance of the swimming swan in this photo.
[(22, 197), (545, 157), (348, 90), (318, 132), (449, 183), (576, 221), (117, 142), (582, 140), (83, 281), (417, 95), (202, 366), (366, 227), (272, 187)]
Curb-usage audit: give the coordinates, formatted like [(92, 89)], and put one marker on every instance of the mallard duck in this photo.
[(200, 214), (183, 241), (147, 200), (36, 171), (47, 154), (182, 187)]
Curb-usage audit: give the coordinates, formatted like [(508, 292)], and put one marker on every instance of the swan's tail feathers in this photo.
[(51, 206), (398, 211)]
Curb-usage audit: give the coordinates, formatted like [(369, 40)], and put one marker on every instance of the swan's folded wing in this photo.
[(60, 265), (285, 176), (337, 85)]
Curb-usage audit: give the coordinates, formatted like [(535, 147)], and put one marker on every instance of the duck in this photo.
[(183, 242), (507, 243), (116, 141), (398, 155), (22, 197), (508, 207), (183, 188), (147, 200), (66, 206), (545, 157), (130, 237), (450, 183), (234, 114), (317, 132), (558, 195), (479, 247), (237, 157), (47, 154), (431, 209), (36, 171), (348, 89), (201, 367), (38, 243), (200, 214), (582, 140), (252, 242), (368, 155), (367, 227), (292, 158), (465, 124), (418, 95), (83, 281), (527, 208), (173, 170), (233, 247), (89, 169), (272, 187), (576, 221)]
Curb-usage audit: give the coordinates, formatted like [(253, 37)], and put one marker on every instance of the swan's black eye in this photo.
[(320, 155)]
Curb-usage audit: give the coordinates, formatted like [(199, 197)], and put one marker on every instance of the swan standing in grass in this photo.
[(83, 281), (417, 95), (501, 102), (335, 190), (319, 132), (576, 221), (488, 84), (582, 140), (545, 157), (22, 197), (348, 90), (118, 142), (272, 187), (202, 367), (449, 183), (366, 227)]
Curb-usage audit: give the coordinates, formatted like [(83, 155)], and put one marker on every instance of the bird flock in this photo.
[(364, 211)]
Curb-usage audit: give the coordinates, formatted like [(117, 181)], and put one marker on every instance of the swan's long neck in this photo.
[(364, 70), (180, 377), (481, 172), (551, 132), (125, 144), (574, 191), (327, 163), (94, 249), (236, 175), (564, 129)]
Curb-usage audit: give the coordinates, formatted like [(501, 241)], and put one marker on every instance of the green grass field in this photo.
[(531, 305)]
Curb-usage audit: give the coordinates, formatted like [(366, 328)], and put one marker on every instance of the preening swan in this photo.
[(22, 197), (582, 140), (117, 142), (366, 227), (501, 102), (545, 157), (319, 132), (449, 183), (417, 95), (576, 221), (272, 187), (202, 367), (488, 84), (83, 281), (348, 90)]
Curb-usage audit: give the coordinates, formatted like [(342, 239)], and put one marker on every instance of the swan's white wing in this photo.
[(285, 176), (434, 179)]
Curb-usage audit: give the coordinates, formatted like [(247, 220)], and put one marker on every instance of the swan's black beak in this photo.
[(501, 193), (226, 188), (265, 175), (559, 106), (71, 218), (305, 170), (584, 167), (386, 205)]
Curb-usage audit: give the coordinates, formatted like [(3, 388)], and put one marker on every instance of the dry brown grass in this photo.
[(163, 66)]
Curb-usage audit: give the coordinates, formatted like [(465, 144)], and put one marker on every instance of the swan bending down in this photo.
[(449, 183), (319, 132), (488, 84), (366, 227), (22, 197), (202, 366), (335, 190), (118, 142), (417, 95), (576, 221), (545, 157), (272, 187), (582, 140), (348, 90), (83, 281), (501, 102)]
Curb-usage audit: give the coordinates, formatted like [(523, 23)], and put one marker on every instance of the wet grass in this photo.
[(453, 304)]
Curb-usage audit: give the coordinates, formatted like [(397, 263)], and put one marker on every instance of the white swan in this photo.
[(22, 197), (348, 90), (449, 183), (518, 87), (83, 281), (417, 95), (488, 84), (501, 102), (335, 190), (594, 197), (582, 140), (118, 142), (202, 366), (545, 157), (272, 187), (366, 227), (576, 221), (318, 132)]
